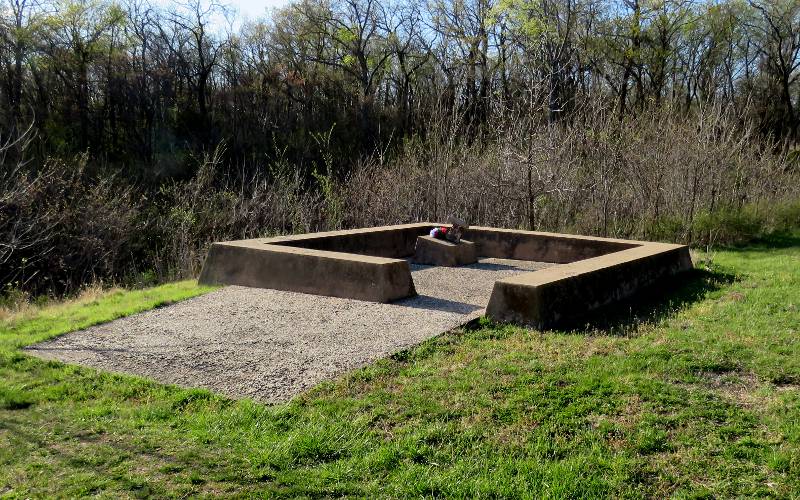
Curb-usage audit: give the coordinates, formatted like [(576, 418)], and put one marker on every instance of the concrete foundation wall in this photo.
[(367, 264), (566, 293), (251, 263), (387, 241), (541, 247), (435, 252)]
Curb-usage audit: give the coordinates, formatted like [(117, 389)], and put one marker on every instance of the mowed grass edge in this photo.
[(697, 395)]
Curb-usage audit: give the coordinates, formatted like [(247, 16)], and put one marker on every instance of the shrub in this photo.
[(729, 225), (64, 228)]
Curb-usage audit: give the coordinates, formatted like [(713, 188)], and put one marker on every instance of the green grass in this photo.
[(695, 397)]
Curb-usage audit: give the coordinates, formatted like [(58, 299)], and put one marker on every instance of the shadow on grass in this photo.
[(663, 300), (622, 319), (652, 304)]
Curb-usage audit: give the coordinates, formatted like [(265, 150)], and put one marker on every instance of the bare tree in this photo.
[(778, 43)]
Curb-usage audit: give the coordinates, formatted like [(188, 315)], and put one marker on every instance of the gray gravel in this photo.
[(271, 345)]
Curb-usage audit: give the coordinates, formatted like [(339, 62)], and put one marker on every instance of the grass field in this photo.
[(697, 396)]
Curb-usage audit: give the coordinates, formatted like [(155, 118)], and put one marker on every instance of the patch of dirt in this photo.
[(743, 389), (735, 386), (736, 296), (626, 418)]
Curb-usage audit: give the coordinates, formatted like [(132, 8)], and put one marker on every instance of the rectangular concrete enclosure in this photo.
[(372, 264)]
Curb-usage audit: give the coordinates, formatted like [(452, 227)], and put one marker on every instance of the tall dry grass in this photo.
[(661, 175)]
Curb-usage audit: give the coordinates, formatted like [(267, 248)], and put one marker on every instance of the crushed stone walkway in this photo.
[(270, 345)]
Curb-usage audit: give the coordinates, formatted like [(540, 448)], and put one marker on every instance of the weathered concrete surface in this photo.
[(546, 298), (271, 345), (384, 241), (364, 264), (542, 247), (367, 264), (335, 274), (434, 252)]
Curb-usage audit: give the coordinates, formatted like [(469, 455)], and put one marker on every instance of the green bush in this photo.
[(729, 226), (732, 226), (786, 216), (666, 228)]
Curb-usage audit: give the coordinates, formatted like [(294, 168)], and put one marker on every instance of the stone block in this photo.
[(434, 252)]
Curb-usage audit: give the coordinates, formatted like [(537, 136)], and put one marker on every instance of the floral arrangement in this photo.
[(440, 233)]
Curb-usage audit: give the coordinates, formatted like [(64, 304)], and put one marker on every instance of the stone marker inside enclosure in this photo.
[(432, 251), (457, 229), (372, 264), (444, 247)]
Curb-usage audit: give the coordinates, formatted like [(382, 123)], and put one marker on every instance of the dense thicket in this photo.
[(133, 135)]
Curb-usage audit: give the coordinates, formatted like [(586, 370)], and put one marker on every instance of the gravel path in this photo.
[(271, 345)]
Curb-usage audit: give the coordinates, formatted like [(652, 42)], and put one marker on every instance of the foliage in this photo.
[(63, 227)]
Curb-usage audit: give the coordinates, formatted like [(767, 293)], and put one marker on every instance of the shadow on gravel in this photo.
[(437, 304), (492, 266), (652, 304)]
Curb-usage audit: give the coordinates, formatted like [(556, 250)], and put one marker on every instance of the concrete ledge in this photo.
[(363, 264), (251, 263), (542, 247), (546, 298), (383, 241), (433, 252)]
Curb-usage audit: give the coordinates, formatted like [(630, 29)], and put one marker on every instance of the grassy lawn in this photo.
[(699, 396)]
